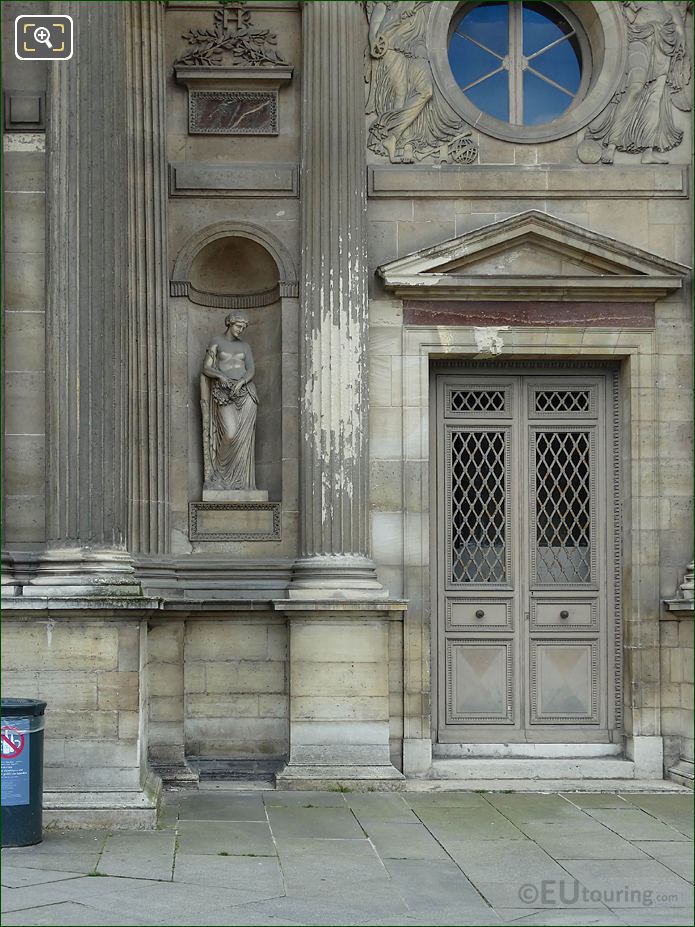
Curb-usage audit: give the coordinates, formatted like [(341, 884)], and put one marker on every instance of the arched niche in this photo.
[(224, 267)]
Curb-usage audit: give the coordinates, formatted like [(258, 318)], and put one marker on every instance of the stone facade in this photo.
[(241, 158)]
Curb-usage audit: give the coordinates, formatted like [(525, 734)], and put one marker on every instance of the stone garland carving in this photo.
[(233, 32), (229, 404), (412, 119), (640, 117)]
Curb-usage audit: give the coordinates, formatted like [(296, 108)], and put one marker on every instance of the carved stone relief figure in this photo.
[(640, 117), (229, 405), (413, 120)]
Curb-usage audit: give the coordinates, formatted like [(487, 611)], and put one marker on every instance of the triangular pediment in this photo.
[(532, 254)]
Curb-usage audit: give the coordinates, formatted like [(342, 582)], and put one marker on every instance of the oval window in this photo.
[(520, 63)]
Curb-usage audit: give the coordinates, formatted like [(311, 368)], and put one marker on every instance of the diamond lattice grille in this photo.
[(478, 507), (563, 507), (563, 400), (477, 400)]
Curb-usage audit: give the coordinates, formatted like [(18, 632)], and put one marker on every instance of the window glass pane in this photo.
[(492, 96), (488, 24), (560, 64), (469, 62), (542, 103), (541, 26)]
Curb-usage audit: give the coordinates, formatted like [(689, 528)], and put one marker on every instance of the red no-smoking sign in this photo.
[(11, 743)]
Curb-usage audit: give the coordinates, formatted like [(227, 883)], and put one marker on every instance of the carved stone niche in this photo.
[(231, 269), (232, 73)]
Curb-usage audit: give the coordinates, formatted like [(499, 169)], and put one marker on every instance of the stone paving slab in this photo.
[(240, 872), (594, 842), (634, 824), (559, 917), (631, 883), (309, 821), (18, 876), (235, 857), (70, 914), (222, 808), (236, 838)]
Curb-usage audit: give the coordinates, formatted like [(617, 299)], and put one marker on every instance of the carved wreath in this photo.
[(252, 45)]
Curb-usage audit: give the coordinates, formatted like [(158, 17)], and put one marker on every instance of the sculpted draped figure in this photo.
[(640, 117), (413, 120), (229, 403)]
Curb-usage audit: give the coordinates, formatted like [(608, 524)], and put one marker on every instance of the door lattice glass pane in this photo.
[(477, 400), (478, 507), (563, 400), (563, 507)]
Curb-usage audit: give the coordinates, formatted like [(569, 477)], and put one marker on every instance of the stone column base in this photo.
[(335, 577), (417, 756), (80, 572), (647, 753), (339, 695)]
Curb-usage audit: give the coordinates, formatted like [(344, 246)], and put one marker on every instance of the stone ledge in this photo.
[(108, 809), (341, 778), (391, 609), (106, 605), (546, 181), (678, 609)]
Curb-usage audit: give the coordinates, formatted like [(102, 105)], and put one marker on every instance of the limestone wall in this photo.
[(235, 688), (89, 671)]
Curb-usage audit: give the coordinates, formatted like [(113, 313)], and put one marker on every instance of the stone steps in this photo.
[(572, 767)]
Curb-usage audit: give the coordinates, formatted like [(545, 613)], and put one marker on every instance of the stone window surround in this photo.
[(635, 351), (601, 33)]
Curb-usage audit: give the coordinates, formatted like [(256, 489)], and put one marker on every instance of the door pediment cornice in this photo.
[(533, 256)]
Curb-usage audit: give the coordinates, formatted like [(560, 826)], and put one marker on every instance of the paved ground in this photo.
[(307, 858)]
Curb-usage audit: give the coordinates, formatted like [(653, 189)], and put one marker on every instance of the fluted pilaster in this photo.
[(148, 327), (333, 390), (86, 318)]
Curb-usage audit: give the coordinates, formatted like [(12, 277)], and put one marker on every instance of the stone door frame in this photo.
[(634, 350)]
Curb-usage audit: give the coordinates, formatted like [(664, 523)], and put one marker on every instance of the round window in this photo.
[(519, 63)]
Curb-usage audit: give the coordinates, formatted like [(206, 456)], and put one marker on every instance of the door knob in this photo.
[(564, 613), (480, 613)]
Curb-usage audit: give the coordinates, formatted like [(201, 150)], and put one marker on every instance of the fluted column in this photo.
[(333, 392), (148, 328), (87, 319)]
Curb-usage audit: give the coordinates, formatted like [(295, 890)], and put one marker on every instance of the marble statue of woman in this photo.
[(229, 403)]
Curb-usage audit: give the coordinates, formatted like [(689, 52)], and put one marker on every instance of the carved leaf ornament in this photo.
[(232, 32)]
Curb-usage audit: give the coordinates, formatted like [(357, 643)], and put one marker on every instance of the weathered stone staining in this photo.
[(640, 117), (412, 119), (229, 404), (400, 296)]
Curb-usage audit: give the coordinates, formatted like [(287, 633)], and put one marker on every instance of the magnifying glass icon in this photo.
[(43, 35)]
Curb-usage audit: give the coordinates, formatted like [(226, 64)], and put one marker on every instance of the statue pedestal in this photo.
[(235, 495)]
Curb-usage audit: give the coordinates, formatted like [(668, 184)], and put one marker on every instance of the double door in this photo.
[(527, 559)]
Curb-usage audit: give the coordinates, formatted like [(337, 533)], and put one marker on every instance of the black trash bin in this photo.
[(21, 759)]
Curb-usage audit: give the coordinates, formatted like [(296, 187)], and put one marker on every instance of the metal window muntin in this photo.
[(594, 579), (508, 582), (506, 412)]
